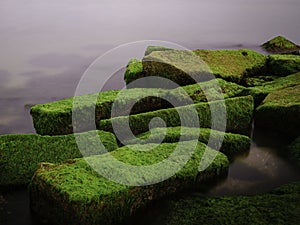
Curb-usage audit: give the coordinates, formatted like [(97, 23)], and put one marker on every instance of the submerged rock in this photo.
[(280, 111), (281, 45), (20, 154), (73, 193)]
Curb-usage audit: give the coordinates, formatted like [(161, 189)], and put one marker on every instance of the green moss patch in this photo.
[(261, 91), (280, 206), (283, 65), (231, 145), (55, 118), (76, 194), (280, 111), (281, 45), (211, 90), (181, 67), (239, 116), (233, 65), (20, 154), (156, 48), (294, 151), (134, 70)]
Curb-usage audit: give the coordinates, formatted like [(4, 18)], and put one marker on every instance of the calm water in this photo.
[(47, 45)]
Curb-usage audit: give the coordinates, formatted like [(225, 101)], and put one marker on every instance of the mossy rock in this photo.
[(231, 145), (234, 65), (156, 48), (20, 154), (280, 111), (181, 67), (283, 65), (55, 118), (231, 65), (239, 113), (280, 206), (261, 91), (212, 90), (258, 81), (281, 45), (76, 194), (134, 70), (294, 151)]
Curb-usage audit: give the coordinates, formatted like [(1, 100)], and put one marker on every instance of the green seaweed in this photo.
[(239, 113), (281, 45), (216, 89), (232, 144), (76, 194), (283, 65), (55, 118), (181, 67), (280, 111), (156, 48), (260, 92), (231, 65), (134, 70), (20, 154), (280, 206)]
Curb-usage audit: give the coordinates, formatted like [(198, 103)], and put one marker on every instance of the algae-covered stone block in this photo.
[(73, 193), (182, 66), (280, 111), (228, 143), (239, 113), (233, 65), (260, 92), (212, 90), (156, 48), (283, 65), (279, 206), (55, 118), (134, 70), (281, 45), (20, 154)]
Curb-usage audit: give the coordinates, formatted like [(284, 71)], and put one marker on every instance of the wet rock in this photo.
[(20, 154), (280, 111), (281, 45), (76, 194)]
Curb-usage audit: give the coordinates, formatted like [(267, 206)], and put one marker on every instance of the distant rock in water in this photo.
[(281, 45)]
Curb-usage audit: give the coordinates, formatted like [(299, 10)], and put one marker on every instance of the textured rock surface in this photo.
[(76, 194)]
